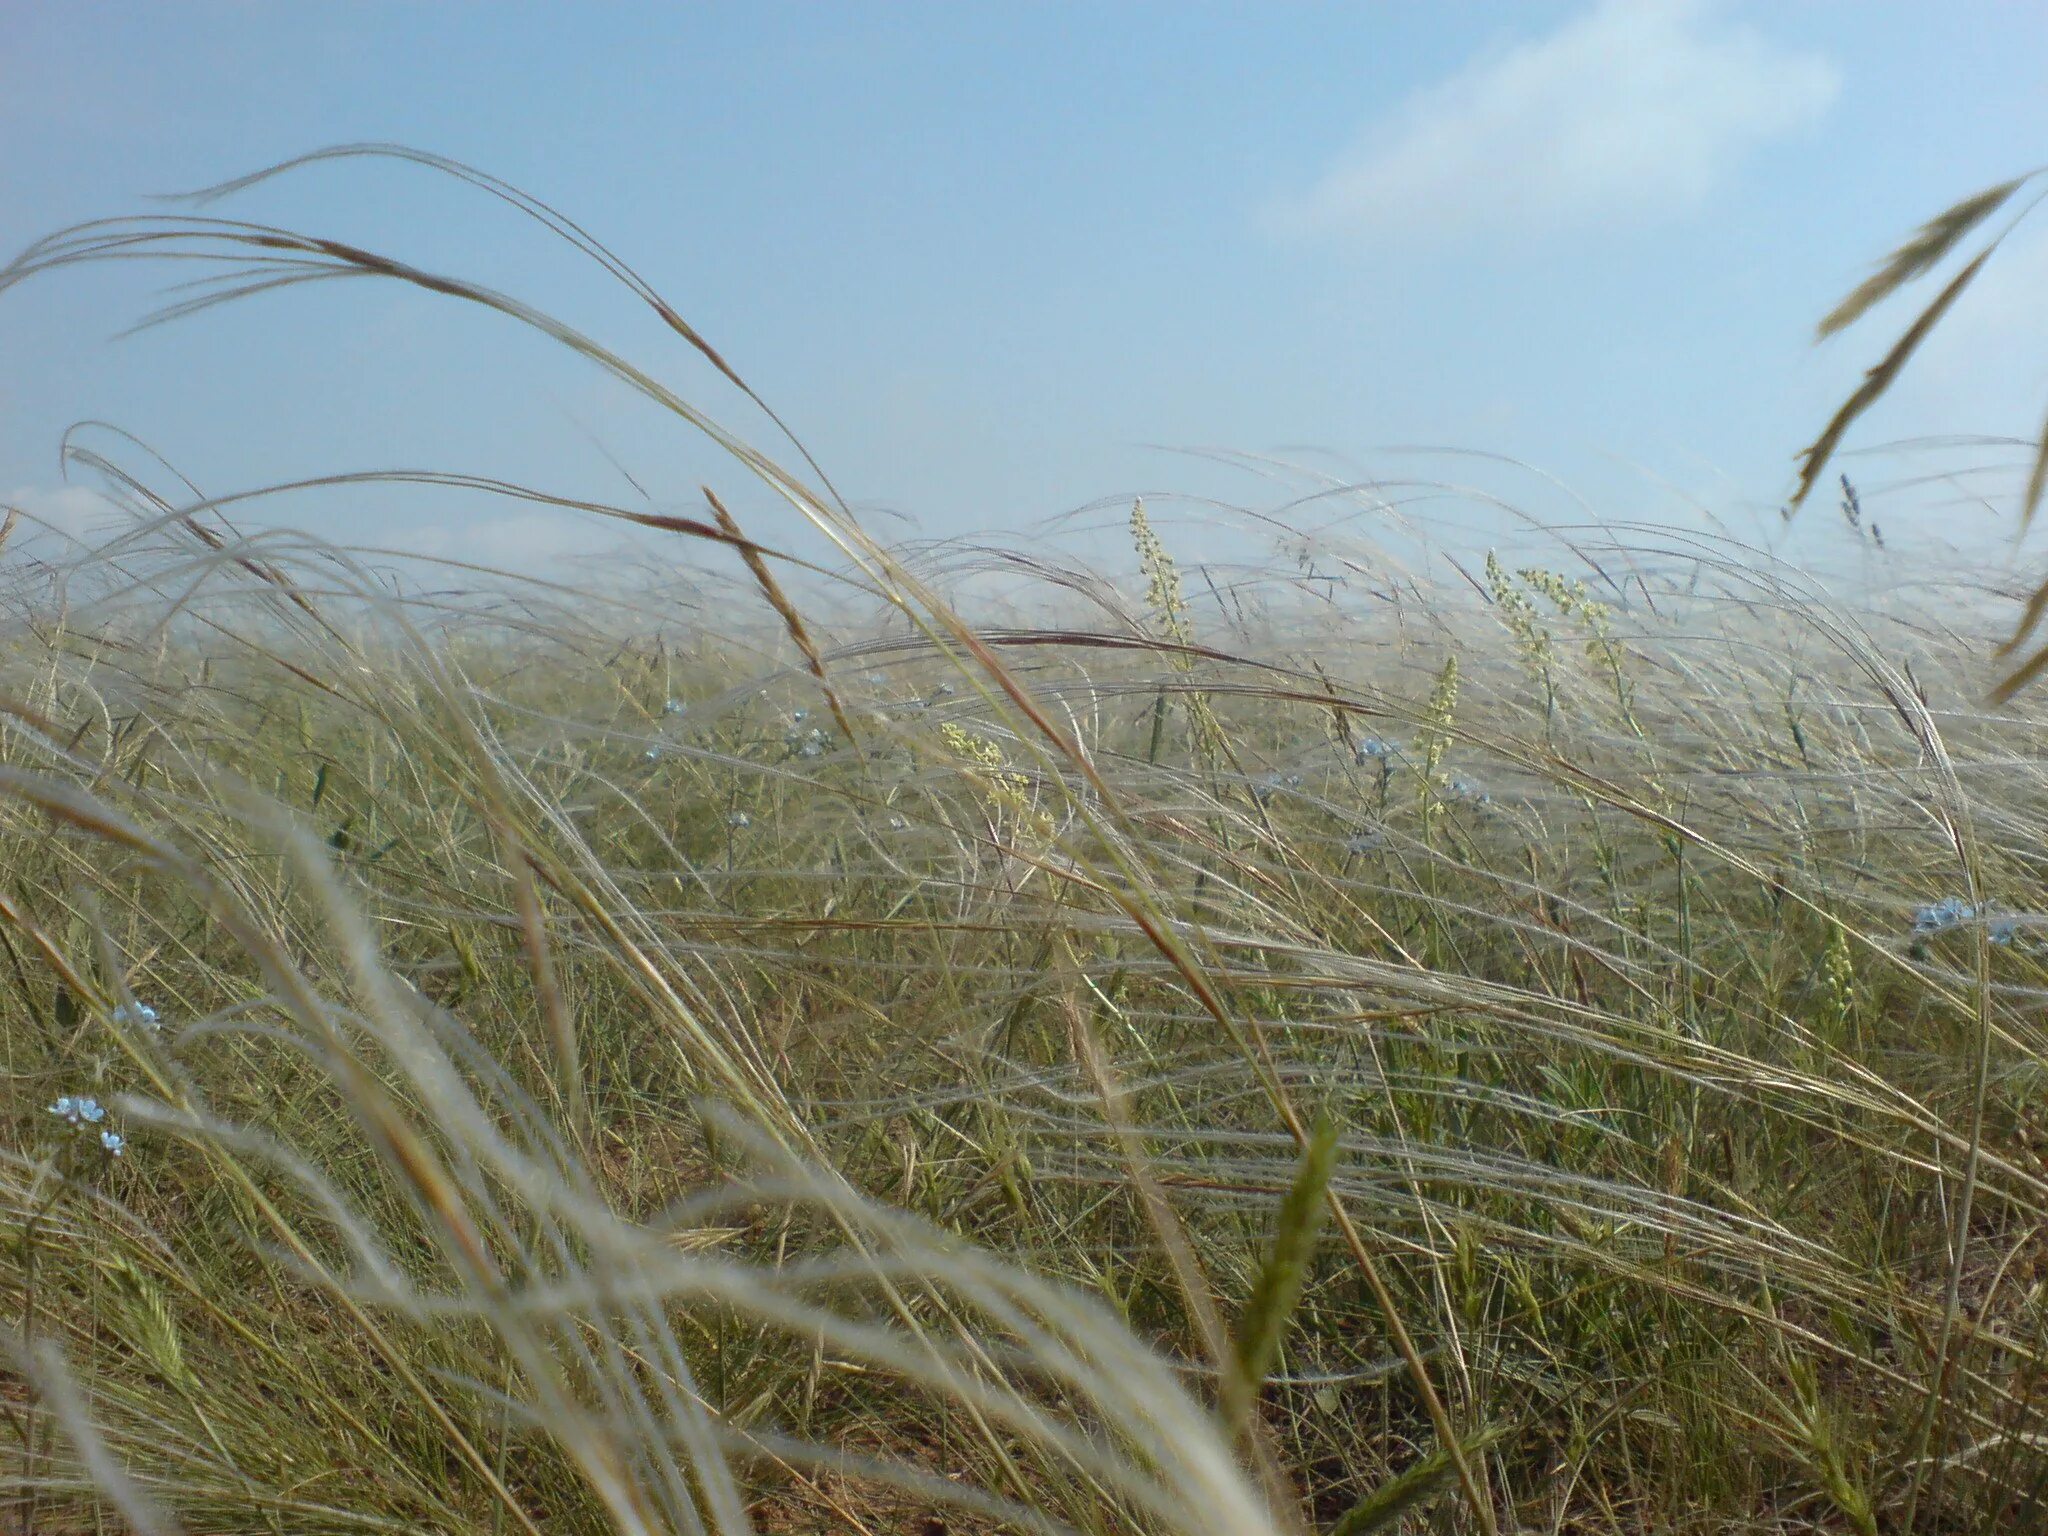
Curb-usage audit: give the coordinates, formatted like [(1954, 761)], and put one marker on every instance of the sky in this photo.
[(997, 264)]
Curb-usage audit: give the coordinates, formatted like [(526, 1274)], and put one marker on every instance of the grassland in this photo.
[(1546, 1043)]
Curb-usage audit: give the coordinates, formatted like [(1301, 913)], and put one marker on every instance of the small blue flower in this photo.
[(1372, 750), (799, 716), (878, 680), (739, 819), (1949, 912), (113, 1141), (77, 1110), (1267, 785), (652, 755), (140, 1015), (811, 749), (2003, 930), (898, 824), (675, 707), (1470, 791)]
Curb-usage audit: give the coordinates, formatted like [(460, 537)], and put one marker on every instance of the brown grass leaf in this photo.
[(1881, 378), (1929, 244)]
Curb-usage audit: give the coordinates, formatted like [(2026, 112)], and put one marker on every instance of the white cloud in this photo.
[(571, 546), (75, 511), (512, 541), (1635, 109)]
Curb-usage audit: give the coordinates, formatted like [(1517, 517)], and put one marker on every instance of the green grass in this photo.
[(1185, 1059)]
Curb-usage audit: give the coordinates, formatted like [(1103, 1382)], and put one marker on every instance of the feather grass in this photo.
[(564, 1088)]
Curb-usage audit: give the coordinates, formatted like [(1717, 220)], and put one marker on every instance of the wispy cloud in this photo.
[(561, 544), (1634, 110), (72, 511)]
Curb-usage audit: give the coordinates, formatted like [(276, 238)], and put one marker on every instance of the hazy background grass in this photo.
[(1548, 1040)]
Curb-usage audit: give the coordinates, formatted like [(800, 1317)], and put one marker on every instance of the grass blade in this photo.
[(1420, 1480), (1278, 1288), (1881, 377), (1920, 254)]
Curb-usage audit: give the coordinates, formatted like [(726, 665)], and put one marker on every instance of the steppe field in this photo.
[(844, 1034)]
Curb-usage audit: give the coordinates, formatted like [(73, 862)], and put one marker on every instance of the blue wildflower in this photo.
[(141, 1015), (78, 1110), (113, 1141), (1266, 785), (675, 707), (1372, 750), (739, 819), (1470, 791), (1949, 912)]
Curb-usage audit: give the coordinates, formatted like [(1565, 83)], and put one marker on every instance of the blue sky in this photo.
[(995, 263)]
